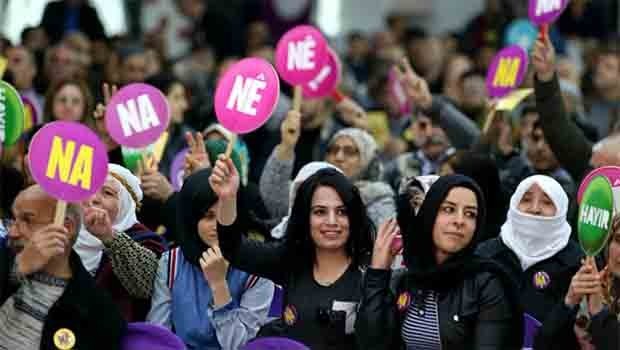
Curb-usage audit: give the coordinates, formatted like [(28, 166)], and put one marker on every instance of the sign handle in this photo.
[(231, 144), (544, 32), (489, 119), (297, 98), (61, 209)]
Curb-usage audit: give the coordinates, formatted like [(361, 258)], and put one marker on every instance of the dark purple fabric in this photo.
[(277, 302), (275, 344), (141, 336)]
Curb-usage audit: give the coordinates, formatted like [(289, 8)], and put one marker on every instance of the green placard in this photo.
[(11, 114), (595, 215)]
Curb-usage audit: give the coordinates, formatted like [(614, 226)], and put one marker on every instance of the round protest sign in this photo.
[(11, 114), (327, 80), (612, 173), (68, 160), (507, 71), (301, 54), (595, 215), (521, 32), (137, 115), (246, 95), (177, 170), (543, 12)]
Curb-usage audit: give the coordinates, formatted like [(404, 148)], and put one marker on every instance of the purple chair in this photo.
[(274, 343)]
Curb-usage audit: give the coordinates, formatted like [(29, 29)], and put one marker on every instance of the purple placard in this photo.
[(246, 95), (137, 115), (531, 326), (327, 80), (507, 71), (543, 12), (177, 169), (612, 173), (68, 160), (300, 55)]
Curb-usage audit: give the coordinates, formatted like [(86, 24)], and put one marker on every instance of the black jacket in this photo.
[(54, 17), (545, 303), (83, 308), (474, 315)]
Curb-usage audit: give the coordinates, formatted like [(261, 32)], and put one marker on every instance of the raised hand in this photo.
[(586, 282), (415, 86), (47, 243), (385, 247), (225, 179), (543, 59), (290, 130), (98, 223), (155, 185), (214, 266), (197, 157), (99, 115)]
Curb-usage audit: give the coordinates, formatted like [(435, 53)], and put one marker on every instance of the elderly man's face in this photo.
[(33, 209)]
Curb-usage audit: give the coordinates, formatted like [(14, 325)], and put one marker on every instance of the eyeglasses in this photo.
[(348, 151)]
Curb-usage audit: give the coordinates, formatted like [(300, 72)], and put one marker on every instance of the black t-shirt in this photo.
[(322, 317)]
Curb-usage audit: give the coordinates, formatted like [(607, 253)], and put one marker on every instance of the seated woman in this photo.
[(535, 249), (318, 264), (449, 298), (115, 248), (208, 304)]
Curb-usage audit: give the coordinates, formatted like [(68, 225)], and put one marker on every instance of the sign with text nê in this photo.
[(543, 12), (137, 115), (507, 71), (246, 95), (68, 160), (327, 80), (301, 54)]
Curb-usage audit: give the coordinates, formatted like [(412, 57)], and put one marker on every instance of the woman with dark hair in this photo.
[(448, 298), (328, 240), (69, 100)]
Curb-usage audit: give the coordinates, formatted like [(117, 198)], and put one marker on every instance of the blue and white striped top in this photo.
[(420, 330)]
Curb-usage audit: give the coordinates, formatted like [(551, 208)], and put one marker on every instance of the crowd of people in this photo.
[(350, 224)]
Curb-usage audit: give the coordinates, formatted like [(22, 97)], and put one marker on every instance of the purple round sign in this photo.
[(137, 115), (246, 95), (301, 54), (507, 71), (327, 80), (177, 169), (68, 160), (543, 12)]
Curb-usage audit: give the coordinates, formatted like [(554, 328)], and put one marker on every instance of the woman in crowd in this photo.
[(352, 150), (115, 248), (448, 298), (318, 264), (207, 303), (535, 248)]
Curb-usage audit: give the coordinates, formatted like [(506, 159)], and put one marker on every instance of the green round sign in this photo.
[(11, 114), (595, 215)]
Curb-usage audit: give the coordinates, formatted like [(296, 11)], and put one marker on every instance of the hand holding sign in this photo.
[(155, 185), (45, 244), (225, 179), (543, 60)]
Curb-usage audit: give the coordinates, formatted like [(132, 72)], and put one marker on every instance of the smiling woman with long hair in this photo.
[(328, 240)]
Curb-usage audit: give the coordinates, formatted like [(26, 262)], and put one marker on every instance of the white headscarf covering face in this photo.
[(303, 174), (536, 238), (90, 248)]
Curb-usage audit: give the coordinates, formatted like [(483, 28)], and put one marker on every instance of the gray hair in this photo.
[(74, 213)]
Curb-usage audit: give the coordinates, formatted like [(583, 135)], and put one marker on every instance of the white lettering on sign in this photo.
[(301, 54), (137, 117), (595, 216), (245, 94), (2, 115), (323, 74), (546, 6)]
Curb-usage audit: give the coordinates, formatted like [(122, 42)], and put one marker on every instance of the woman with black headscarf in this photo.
[(208, 304), (448, 299)]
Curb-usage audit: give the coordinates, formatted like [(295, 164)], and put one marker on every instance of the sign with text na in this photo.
[(596, 212), (542, 12), (327, 80), (301, 54), (11, 114), (507, 71), (137, 115), (246, 95), (68, 160)]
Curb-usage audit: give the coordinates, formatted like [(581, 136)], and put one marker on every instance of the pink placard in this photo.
[(68, 160), (246, 95), (137, 115), (398, 94), (507, 71), (301, 54), (327, 80), (612, 173), (546, 11)]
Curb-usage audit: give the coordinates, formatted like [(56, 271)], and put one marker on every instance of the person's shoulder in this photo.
[(491, 248), (571, 255)]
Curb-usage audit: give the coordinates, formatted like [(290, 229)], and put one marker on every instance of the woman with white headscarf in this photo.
[(536, 250), (121, 253)]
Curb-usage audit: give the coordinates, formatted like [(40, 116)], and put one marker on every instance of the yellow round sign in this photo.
[(64, 339)]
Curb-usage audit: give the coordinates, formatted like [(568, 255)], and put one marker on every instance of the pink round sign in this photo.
[(507, 71), (612, 173), (327, 80), (301, 54), (246, 95), (68, 160), (137, 115), (546, 11)]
